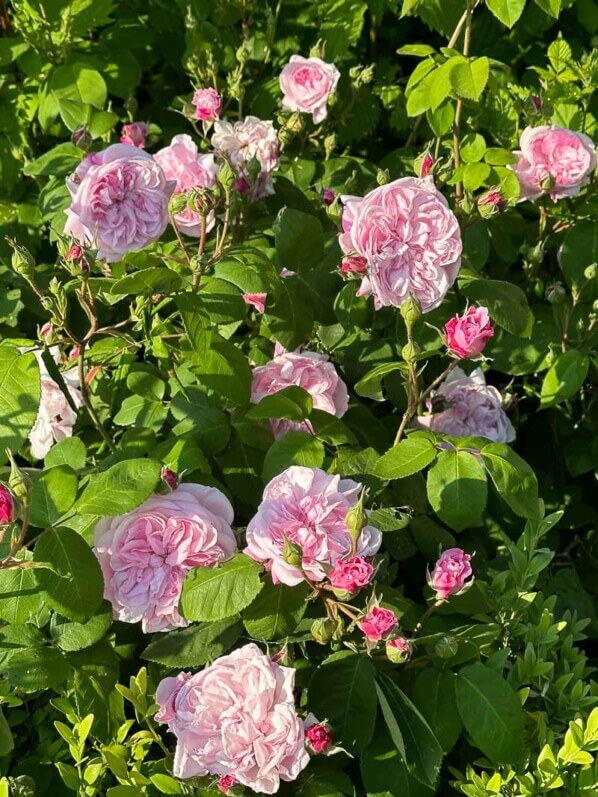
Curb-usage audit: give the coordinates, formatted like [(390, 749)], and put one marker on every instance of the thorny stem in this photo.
[(413, 405), (87, 399), (459, 107)]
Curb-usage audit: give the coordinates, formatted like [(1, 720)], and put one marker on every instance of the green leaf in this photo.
[(196, 321), (469, 77), (491, 713), (19, 594), (342, 689), (293, 448), (19, 397), (434, 695), (52, 495), (457, 489), (195, 645), (299, 239), (276, 611), (215, 593), (507, 11), (142, 413), (422, 751), (559, 54), (71, 636), (70, 451), (564, 378), (34, 669), (59, 161), (155, 279), (383, 769), (78, 83), (119, 488), (513, 478), (225, 373), (75, 586), (293, 403), (408, 457), (506, 303), (370, 385), (551, 7), (6, 741), (578, 251)]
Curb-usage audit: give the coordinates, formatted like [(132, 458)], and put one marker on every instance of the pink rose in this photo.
[(350, 575), (169, 478), (181, 161), (378, 623), (134, 134), (306, 84), (467, 335), (398, 650), (409, 238), (7, 507), (317, 734), (427, 165), (469, 407), (308, 507), (328, 196), (257, 300), (119, 201), (354, 265), (313, 372), (225, 783), (245, 140), (450, 573), (555, 160), (236, 717), (145, 554), (208, 104)]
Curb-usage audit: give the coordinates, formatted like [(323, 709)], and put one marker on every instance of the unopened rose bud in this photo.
[(225, 783), (318, 737), (82, 138), (7, 506), (411, 310), (22, 261), (292, 553), (411, 351), (535, 103), (423, 165), (555, 293), (328, 195), (322, 630), (355, 518), (383, 177), (398, 650), (446, 647), (491, 203), (591, 271), (354, 265), (169, 477), (177, 204), (18, 481), (329, 144), (242, 186)]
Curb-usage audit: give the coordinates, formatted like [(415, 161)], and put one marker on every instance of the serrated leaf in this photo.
[(195, 645), (564, 378), (293, 448), (513, 478), (469, 77), (457, 489), (215, 593), (408, 457), (276, 611), (119, 488), (19, 396), (507, 11)]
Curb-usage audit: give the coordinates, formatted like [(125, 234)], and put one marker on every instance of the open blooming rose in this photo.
[(451, 573), (467, 335), (307, 369), (378, 623), (146, 553), (307, 506), (410, 240), (236, 718), (119, 201), (555, 160), (182, 162), (350, 575), (207, 104), (306, 84), (244, 140), (473, 408)]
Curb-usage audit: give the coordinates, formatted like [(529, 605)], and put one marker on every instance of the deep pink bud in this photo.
[(242, 186), (350, 575), (398, 650), (426, 165), (328, 195), (74, 254), (257, 300), (81, 137), (169, 477), (467, 335), (46, 330), (134, 134), (491, 203), (450, 573), (226, 782), (208, 104), (536, 103), (7, 507), (354, 265), (319, 737), (378, 623)]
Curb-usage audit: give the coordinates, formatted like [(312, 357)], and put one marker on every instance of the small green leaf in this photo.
[(469, 77), (507, 11), (276, 611), (70, 451), (155, 279), (513, 478), (293, 403), (215, 593), (71, 636), (195, 645), (408, 457), (119, 488), (196, 321), (19, 396), (564, 378), (506, 303), (299, 239), (52, 495), (457, 489), (293, 448)]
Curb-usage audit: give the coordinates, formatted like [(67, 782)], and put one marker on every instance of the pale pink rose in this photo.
[(378, 623), (350, 575), (473, 409), (208, 104), (182, 162), (398, 650), (308, 507), (450, 573), (410, 239), (313, 372), (236, 717), (134, 134), (245, 140), (306, 84), (146, 553), (467, 335), (119, 201), (7, 507), (555, 160), (257, 300), (317, 735)]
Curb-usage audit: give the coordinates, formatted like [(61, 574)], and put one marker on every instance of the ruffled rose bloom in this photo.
[(257, 300), (7, 507), (409, 238), (306, 84), (236, 717), (119, 201), (398, 650), (450, 573), (134, 134), (555, 160), (146, 553), (208, 104), (245, 140), (313, 372), (55, 417), (350, 575), (467, 335), (378, 623), (308, 507), (182, 162), (473, 408)]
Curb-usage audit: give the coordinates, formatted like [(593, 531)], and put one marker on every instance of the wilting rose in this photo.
[(134, 134), (208, 104), (119, 201), (307, 507), (467, 335), (378, 623), (473, 409), (236, 718), (244, 140), (146, 553), (350, 575), (7, 507), (451, 573), (553, 160), (307, 369), (306, 84), (182, 162), (257, 300), (410, 240)]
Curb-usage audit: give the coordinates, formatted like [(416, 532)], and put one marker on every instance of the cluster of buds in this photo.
[(379, 624)]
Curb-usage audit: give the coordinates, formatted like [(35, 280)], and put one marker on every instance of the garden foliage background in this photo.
[(152, 359)]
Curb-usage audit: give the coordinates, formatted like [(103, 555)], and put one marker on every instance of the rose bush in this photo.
[(297, 398)]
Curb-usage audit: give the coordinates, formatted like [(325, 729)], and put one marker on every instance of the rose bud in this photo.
[(328, 195), (450, 574), (378, 623), (318, 737), (134, 134), (82, 138), (466, 336), (446, 647), (348, 576), (322, 630), (555, 293), (491, 203), (208, 104), (426, 165), (399, 650), (226, 783), (354, 265), (7, 507), (257, 300), (169, 477)]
